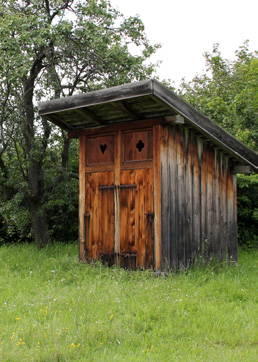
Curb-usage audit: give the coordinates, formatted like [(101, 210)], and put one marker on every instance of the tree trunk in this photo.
[(36, 150), (39, 224)]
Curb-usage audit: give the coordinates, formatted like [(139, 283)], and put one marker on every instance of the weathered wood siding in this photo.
[(198, 198)]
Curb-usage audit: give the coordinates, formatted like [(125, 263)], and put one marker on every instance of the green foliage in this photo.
[(50, 49), (54, 308), (227, 93), (248, 210)]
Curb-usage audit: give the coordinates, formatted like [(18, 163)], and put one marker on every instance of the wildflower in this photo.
[(111, 317), (18, 318)]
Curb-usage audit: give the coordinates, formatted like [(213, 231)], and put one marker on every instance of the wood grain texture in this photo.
[(138, 145), (199, 220), (100, 207), (100, 149), (135, 203), (163, 213), (157, 134), (82, 155)]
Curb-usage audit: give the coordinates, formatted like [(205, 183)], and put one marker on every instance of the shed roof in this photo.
[(136, 102)]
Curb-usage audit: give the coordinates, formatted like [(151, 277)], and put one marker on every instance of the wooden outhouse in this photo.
[(157, 178)]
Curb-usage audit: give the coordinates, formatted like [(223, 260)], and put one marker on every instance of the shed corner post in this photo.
[(157, 130), (82, 187)]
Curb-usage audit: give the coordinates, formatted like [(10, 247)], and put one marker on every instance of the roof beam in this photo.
[(59, 122), (177, 119), (242, 169), (125, 108), (88, 115)]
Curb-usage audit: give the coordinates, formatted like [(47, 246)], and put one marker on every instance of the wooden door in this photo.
[(118, 218), (99, 215), (136, 218)]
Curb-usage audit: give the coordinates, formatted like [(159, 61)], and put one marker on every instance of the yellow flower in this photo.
[(112, 316), (17, 318)]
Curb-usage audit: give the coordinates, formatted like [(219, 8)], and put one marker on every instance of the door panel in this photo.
[(100, 210), (138, 145), (118, 218), (100, 149), (136, 211)]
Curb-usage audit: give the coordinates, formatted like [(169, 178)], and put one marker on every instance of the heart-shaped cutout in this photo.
[(103, 148)]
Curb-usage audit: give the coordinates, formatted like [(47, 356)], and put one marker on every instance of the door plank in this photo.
[(100, 207), (82, 245)]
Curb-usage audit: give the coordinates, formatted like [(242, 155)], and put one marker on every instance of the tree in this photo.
[(48, 49), (227, 93)]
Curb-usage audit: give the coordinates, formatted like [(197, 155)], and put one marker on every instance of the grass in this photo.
[(53, 308)]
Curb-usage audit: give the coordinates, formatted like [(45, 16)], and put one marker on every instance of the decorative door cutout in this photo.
[(118, 222), (100, 150)]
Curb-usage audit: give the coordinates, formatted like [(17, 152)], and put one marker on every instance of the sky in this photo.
[(187, 29)]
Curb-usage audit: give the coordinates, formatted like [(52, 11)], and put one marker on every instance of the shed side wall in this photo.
[(199, 216)]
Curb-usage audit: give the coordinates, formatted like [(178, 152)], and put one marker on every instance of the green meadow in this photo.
[(54, 308)]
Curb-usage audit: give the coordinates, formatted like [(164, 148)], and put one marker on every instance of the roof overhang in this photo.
[(136, 102)]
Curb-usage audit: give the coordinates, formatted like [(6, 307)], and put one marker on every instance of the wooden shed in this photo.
[(157, 178)]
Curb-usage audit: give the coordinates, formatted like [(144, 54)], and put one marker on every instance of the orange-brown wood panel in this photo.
[(100, 211), (157, 195), (136, 209), (138, 145), (82, 197), (117, 193), (100, 149)]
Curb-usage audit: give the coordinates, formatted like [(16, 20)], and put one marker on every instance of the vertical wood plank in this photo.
[(165, 207), (181, 196), (173, 198), (188, 198), (216, 201), (224, 208), (231, 214), (196, 224), (234, 234), (157, 133), (118, 151), (82, 155), (204, 208), (209, 200)]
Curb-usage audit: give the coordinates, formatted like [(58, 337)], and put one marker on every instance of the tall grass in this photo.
[(53, 308)]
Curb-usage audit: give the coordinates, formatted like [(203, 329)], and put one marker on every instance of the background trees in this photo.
[(48, 49), (53, 48)]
